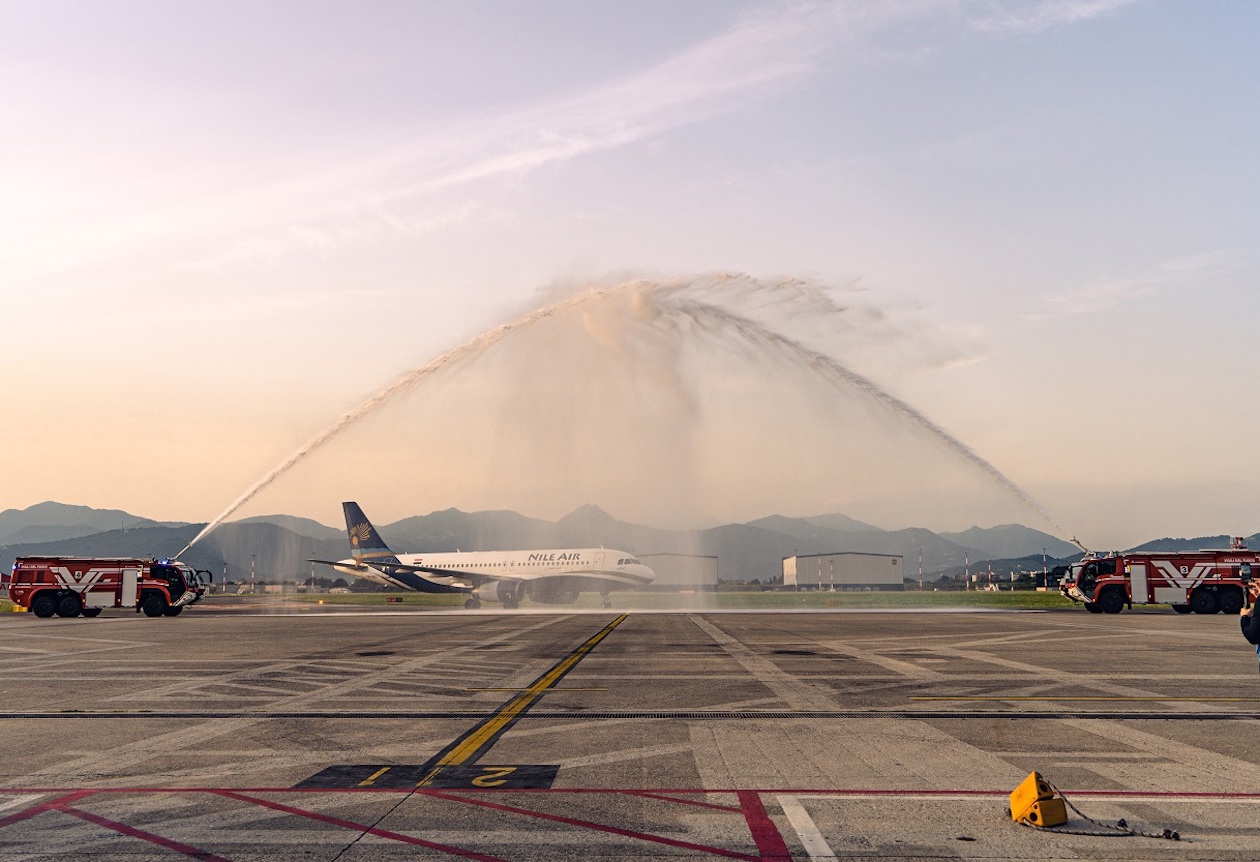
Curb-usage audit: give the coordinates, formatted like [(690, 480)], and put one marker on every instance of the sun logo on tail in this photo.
[(358, 533)]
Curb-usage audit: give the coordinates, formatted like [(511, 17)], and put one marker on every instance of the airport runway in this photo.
[(754, 736)]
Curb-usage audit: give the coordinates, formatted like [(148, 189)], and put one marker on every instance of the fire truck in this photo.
[(1203, 582), (74, 586)]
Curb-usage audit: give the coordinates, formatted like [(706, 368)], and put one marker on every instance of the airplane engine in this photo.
[(496, 591), (554, 592)]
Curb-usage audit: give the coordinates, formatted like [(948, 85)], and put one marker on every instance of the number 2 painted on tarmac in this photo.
[(493, 776)]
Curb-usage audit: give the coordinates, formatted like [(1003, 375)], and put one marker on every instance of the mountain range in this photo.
[(277, 547)]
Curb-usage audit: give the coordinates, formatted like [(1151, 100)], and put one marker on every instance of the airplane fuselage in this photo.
[(550, 574)]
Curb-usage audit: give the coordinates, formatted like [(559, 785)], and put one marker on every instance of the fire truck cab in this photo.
[(1203, 582), (74, 586)]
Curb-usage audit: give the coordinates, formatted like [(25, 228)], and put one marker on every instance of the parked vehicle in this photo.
[(73, 586), (1205, 582)]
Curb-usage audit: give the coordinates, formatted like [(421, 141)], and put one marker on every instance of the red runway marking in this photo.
[(698, 803), (41, 807), (664, 791), (599, 827), (769, 841), (359, 827), (133, 832)]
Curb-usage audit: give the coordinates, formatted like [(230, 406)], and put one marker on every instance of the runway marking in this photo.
[(113, 760), (479, 740), (532, 776), (1094, 698), (917, 714), (806, 830), (133, 832), (358, 827), (764, 834), (548, 691), (370, 780), (73, 794), (21, 800), (604, 758), (662, 796), (762, 828), (769, 840), (788, 688), (456, 765)]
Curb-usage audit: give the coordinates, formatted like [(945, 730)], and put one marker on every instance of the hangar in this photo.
[(844, 571)]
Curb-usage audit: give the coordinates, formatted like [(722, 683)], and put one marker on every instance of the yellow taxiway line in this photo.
[(478, 739)]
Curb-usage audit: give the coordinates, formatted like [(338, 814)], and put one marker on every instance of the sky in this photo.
[(227, 224)]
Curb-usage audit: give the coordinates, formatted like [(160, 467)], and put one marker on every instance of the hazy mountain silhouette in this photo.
[(1009, 541), (1199, 544), (278, 546), (302, 526), (52, 521)]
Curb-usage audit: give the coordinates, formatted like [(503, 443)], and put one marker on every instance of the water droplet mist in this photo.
[(674, 402)]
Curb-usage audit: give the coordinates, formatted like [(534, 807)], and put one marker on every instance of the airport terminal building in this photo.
[(844, 571)]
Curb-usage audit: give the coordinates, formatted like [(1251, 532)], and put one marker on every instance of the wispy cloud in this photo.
[(422, 182), (1108, 293), (1024, 18), (379, 190)]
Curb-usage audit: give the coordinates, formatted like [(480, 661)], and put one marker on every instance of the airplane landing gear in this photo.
[(605, 602), (511, 604), (473, 604)]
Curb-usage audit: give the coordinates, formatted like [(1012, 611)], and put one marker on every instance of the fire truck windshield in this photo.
[(190, 576), (174, 577)]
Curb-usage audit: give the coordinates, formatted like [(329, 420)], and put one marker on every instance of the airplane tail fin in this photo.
[(365, 543)]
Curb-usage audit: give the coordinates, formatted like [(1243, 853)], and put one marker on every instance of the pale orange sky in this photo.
[(225, 226)]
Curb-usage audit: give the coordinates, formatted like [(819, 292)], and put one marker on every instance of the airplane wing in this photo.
[(474, 578)]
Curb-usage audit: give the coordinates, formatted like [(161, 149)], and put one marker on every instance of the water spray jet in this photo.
[(647, 331)]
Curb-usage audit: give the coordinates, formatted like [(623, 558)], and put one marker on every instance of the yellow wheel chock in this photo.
[(1035, 802)]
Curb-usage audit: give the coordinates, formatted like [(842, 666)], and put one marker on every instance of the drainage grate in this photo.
[(682, 714)]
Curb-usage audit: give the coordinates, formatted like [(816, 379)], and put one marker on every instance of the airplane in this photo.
[(553, 577)]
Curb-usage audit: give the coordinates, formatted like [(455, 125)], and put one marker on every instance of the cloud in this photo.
[(378, 189), (1026, 18), (421, 182), (1105, 294)]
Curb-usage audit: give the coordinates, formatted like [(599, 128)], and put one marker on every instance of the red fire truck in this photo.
[(70, 586), (1205, 582)]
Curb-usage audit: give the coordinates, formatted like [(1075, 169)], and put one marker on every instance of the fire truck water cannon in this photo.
[(85, 586), (1203, 582)]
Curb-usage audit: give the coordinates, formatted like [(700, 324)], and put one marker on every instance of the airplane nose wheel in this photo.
[(606, 603), (472, 604)]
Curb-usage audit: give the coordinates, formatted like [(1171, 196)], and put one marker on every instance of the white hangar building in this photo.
[(847, 571)]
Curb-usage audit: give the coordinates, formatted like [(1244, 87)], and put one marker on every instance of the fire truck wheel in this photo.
[(1111, 602), (43, 606), (91, 612), (173, 612), (69, 605), (1093, 607), (1181, 609), (153, 605), (1231, 601), (1203, 602)]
